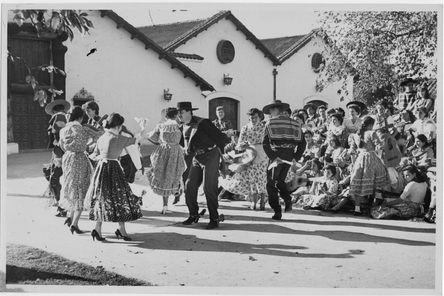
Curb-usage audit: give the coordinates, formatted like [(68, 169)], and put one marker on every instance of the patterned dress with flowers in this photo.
[(77, 168), (109, 195), (253, 179), (168, 160)]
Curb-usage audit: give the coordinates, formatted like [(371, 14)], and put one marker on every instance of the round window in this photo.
[(316, 62), (225, 51)]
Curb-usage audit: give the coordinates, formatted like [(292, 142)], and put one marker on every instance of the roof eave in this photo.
[(163, 54)]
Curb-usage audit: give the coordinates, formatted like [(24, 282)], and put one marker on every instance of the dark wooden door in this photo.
[(30, 122), (230, 107)]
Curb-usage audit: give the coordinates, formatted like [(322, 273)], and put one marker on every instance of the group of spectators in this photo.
[(337, 170)]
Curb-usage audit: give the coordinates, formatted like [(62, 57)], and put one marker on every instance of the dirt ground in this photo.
[(307, 252)]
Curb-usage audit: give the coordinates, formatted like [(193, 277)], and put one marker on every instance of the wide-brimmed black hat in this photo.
[(408, 80), (275, 103), (185, 106), (50, 106), (361, 105)]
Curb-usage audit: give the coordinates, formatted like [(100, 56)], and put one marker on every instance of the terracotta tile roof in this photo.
[(279, 45), (163, 54), (176, 34), (166, 33)]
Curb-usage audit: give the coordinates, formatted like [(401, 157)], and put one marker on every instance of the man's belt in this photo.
[(289, 146), (202, 151)]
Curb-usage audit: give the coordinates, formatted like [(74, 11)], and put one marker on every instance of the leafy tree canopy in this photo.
[(380, 47), (55, 21)]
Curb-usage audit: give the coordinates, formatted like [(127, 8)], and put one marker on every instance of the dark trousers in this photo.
[(276, 181), (204, 167), (54, 180)]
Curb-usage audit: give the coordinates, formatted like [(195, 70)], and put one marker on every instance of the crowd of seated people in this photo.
[(377, 161)]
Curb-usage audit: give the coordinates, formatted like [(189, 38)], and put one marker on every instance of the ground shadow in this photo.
[(16, 274), (180, 242)]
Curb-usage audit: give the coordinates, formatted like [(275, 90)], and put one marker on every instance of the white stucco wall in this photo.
[(123, 76), (252, 75), (297, 81)]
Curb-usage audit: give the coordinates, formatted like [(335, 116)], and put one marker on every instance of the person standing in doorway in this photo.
[(283, 142), (206, 141), (223, 125)]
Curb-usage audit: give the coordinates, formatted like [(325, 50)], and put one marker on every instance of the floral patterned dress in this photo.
[(254, 178), (369, 172), (77, 168), (323, 194), (168, 160), (109, 194)]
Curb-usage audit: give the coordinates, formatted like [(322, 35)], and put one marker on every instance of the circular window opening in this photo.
[(225, 52), (316, 62)]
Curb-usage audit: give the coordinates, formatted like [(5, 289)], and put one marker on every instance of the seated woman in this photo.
[(334, 151), (323, 192), (311, 169), (311, 149), (408, 205), (421, 154), (336, 128)]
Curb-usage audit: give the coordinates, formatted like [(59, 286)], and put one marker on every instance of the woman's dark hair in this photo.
[(340, 111), (114, 120), (383, 104), (427, 94), (301, 110), (171, 112), (355, 107), (75, 113), (253, 111), (337, 141), (413, 170), (332, 168), (317, 163), (366, 123), (261, 115), (338, 117), (423, 139), (301, 117), (412, 116), (308, 132), (91, 105)]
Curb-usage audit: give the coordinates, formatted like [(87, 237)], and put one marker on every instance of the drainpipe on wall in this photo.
[(275, 72)]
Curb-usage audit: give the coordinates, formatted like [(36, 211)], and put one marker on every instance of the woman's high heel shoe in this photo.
[(68, 222), (95, 235), (76, 229), (119, 235)]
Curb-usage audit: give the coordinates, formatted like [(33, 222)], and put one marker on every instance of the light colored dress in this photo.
[(253, 179), (77, 168), (351, 127), (323, 194), (369, 172), (168, 160)]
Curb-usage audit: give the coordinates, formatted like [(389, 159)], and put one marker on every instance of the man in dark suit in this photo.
[(206, 141)]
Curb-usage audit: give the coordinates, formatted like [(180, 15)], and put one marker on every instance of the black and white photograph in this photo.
[(237, 148)]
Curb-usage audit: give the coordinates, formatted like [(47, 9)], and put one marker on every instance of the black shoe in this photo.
[(119, 235), (68, 222), (95, 235), (288, 206), (191, 220), (176, 198), (277, 216), (75, 229), (61, 212), (213, 224), (357, 213)]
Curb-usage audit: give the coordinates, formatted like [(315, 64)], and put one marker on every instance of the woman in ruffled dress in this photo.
[(252, 181), (369, 172), (76, 166), (110, 195), (168, 160)]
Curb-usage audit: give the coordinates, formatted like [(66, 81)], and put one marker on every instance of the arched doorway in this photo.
[(231, 108)]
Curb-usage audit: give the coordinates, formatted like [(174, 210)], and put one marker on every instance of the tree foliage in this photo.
[(55, 21), (380, 48)]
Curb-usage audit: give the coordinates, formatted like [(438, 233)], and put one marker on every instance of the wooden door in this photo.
[(30, 122), (230, 107)]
